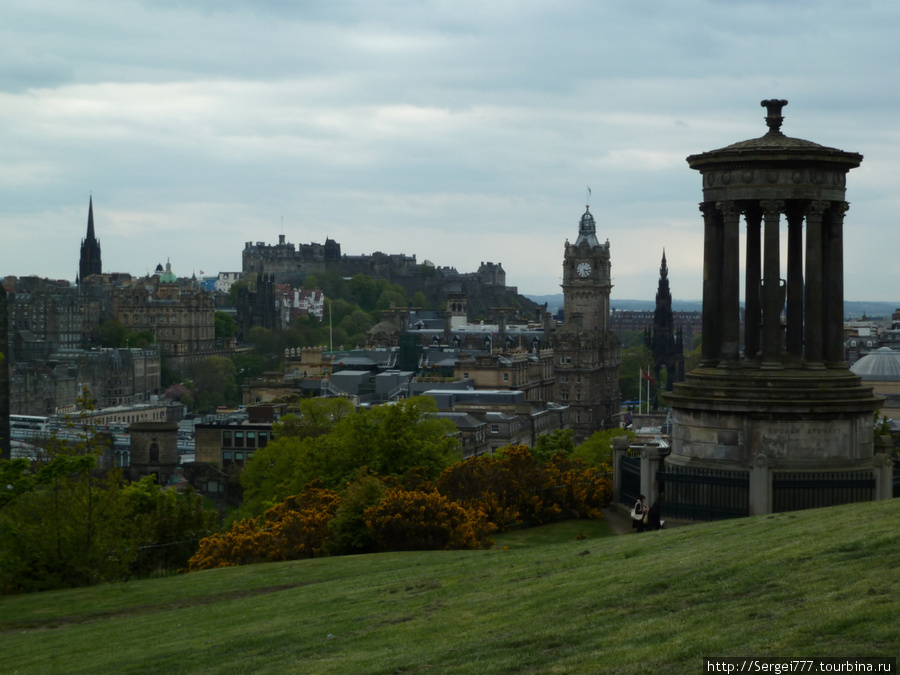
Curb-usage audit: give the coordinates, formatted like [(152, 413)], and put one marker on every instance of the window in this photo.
[(251, 439), (239, 439), (263, 439), (226, 439), (495, 428), (465, 376), (506, 377), (565, 378)]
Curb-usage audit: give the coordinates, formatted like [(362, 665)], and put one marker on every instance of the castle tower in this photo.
[(89, 262), (587, 351), (787, 407)]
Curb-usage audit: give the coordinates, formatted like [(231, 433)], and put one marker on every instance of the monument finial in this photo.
[(773, 118)]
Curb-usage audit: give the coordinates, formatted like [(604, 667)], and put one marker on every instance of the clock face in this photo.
[(583, 269)]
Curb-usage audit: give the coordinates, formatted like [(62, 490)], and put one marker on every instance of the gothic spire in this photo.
[(89, 262), (90, 229)]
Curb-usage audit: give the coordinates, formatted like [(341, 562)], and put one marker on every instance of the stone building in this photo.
[(179, 314), (110, 377), (154, 450), (44, 315), (586, 350)]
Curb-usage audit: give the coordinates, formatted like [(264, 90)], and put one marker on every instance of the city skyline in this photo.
[(459, 133)]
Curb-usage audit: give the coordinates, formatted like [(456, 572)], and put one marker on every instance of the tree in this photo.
[(355, 325), (363, 290), (389, 440), (419, 300), (597, 450), (214, 382), (112, 333), (70, 527), (559, 440), (225, 325), (168, 526)]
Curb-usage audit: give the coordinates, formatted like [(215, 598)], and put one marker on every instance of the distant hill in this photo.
[(852, 308), (555, 302)]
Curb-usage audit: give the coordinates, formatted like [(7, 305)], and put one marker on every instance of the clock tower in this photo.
[(587, 352)]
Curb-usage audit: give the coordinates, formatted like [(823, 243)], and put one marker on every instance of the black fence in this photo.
[(703, 494), (896, 479), (629, 479), (795, 491)]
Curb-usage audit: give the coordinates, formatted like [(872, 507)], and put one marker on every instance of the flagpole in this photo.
[(640, 391)]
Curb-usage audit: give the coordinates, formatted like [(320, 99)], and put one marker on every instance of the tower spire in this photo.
[(90, 227), (89, 262)]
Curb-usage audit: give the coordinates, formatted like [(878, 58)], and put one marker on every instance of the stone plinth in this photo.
[(797, 419)]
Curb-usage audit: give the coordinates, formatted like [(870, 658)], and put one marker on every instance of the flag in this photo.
[(201, 271), (647, 376)]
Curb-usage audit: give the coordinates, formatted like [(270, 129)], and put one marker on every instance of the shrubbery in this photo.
[(459, 510)]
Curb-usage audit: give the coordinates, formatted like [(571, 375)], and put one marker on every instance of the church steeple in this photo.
[(90, 231), (89, 263)]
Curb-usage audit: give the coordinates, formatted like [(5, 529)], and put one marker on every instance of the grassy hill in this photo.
[(812, 583)]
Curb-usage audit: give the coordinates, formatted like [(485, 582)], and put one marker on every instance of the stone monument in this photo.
[(786, 402)]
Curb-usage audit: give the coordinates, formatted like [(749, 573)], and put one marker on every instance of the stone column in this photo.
[(753, 276), (712, 280), (772, 299), (649, 467), (833, 290), (730, 294), (794, 340), (620, 449), (760, 486), (884, 476), (814, 326)]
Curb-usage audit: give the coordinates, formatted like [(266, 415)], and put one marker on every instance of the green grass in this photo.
[(563, 532), (813, 583)]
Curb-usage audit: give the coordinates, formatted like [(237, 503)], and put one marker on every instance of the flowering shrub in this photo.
[(417, 520), (296, 528), (515, 487), (467, 503)]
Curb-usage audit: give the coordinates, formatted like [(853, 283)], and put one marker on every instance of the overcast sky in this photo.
[(454, 130)]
